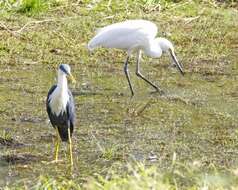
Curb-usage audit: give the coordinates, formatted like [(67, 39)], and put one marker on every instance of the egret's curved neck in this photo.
[(62, 83), (153, 49)]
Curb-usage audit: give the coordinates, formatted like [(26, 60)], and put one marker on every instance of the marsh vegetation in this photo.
[(186, 139)]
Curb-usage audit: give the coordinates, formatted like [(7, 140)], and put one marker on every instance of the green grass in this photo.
[(5, 136), (32, 6), (27, 7), (192, 130), (140, 177)]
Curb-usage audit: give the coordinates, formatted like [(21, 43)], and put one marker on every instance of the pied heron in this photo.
[(61, 110), (134, 35)]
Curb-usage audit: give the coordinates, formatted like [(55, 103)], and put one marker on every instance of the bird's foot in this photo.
[(161, 92), (158, 90)]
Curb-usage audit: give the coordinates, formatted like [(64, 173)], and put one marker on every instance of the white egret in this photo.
[(134, 36), (61, 110)]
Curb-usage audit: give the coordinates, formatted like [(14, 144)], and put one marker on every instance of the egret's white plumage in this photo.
[(126, 35), (134, 35)]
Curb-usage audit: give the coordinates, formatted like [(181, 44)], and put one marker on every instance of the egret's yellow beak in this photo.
[(71, 77)]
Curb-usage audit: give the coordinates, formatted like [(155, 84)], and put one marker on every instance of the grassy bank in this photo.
[(187, 139)]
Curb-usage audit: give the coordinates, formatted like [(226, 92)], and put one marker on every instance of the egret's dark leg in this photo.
[(70, 148), (127, 75), (57, 145), (138, 73)]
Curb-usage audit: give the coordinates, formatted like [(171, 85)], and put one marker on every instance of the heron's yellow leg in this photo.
[(70, 148), (57, 144)]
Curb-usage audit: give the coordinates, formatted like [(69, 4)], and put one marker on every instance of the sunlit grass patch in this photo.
[(45, 183), (197, 117), (110, 153), (136, 177), (28, 7), (141, 177), (7, 139), (32, 6), (5, 135)]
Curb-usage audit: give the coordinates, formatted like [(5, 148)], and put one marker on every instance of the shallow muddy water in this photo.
[(196, 119)]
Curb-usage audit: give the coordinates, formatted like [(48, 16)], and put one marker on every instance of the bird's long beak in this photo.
[(71, 77), (176, 61)]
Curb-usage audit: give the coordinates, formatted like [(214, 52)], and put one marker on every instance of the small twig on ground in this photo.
[(109, 4), (153, 8), (108, 17), (17, 33), (34, 22), (143, 108), (176, 5), (189, 20), (4, 27)]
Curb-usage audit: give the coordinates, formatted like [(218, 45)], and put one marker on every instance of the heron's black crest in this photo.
[(62, 68), (65, 119)]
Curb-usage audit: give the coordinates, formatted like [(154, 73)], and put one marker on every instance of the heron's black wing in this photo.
[(51, 91), (64, 120), (71, 111), (48, 102)]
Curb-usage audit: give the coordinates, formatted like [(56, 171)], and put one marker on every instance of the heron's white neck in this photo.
[(60, 96), (153, 49), (62, 83)]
